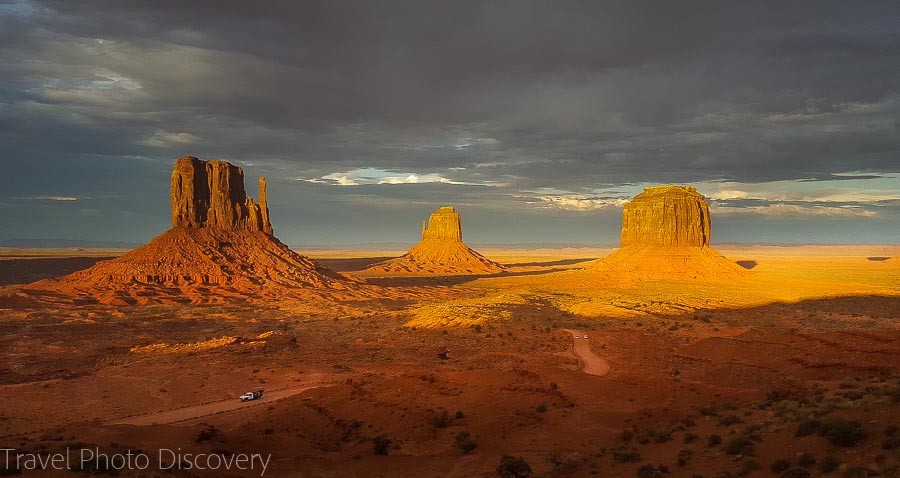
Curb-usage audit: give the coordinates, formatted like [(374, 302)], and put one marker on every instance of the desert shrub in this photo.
[(739, 445), (541, 408), (649, 471), (729, 419), (690, 437), (748, 465), (708, 411), (513, 467), (441, 420), (381, 444), (465, 443), (829, 464), (713, 440), (459, 415), (806, 460), (842, 432), (795, 473), (207, 434), (626, 455), (807, 427), (477, 328), (564, 464), (662, 435), (627, 435), (684, 456), (780, 465), (854, 395)]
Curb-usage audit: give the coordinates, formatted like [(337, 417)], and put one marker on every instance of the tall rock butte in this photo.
[(220, 245), (666, 232), (441, 251), (211, 194)]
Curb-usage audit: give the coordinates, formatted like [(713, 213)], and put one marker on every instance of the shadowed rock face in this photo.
[(211, 194), (666, 216)]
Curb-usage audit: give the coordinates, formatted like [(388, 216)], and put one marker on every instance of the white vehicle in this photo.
[(577, 336), (254, 395), (585, 336)]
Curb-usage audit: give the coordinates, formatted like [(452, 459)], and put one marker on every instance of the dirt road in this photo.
[(206, 409), (593, 363)]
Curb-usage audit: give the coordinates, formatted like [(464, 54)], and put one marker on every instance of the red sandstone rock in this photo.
[(665, 235), (441, 251), (211, 194), (219, 239)]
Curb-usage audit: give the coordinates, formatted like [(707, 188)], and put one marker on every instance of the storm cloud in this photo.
[(536, 118)]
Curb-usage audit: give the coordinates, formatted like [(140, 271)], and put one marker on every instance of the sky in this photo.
[(536, 119)]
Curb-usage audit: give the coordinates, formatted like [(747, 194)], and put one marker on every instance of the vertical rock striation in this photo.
[(666, 216), (211, 194), (443, 225)]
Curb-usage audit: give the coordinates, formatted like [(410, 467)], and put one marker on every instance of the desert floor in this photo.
[(799, 361)]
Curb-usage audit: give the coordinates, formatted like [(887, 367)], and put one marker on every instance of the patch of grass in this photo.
[(713, 440), (690, 437)]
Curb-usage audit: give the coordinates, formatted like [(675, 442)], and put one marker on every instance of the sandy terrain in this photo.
[(810, 338)]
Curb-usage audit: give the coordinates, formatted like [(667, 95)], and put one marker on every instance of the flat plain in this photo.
[(798, 361)]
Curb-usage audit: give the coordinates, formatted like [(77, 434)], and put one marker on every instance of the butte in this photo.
[(665, 235), (441, 251), (221, 244)]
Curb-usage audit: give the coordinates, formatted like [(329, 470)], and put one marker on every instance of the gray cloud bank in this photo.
[(537, 118)]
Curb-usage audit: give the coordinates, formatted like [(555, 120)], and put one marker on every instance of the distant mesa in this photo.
[(666, 233), (220, 239), (441, 251)]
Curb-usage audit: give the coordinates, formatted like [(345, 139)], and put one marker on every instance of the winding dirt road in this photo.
[(206, 409), (593, 363)]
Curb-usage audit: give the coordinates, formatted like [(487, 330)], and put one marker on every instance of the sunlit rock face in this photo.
[(211, 194), (665, 236), (441, 251), (666, 216), (443, 225), (219, 239)]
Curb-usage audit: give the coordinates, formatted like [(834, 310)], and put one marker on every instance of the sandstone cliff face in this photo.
[(665, 236), (443, 225), (666, 216), (441, 251), (220, 246), (211, 194)]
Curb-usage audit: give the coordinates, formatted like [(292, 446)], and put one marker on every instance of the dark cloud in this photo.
[(568, 97)]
